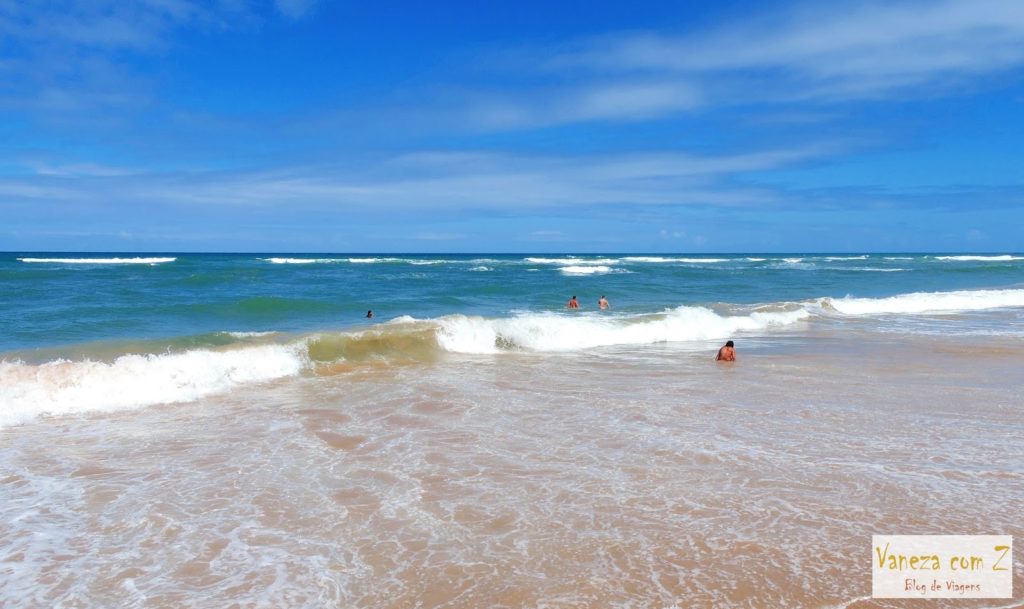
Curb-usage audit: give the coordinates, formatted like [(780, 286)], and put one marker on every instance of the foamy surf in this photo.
[(64, 387), (97, 260), (661, 259), (590, 270), (572, 261), (303, 260), (550, 332), (928, 302), (1003, 258)]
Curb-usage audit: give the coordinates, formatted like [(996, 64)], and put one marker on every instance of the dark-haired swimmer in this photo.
[(727, 353)]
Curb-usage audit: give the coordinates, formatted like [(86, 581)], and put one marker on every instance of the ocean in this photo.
[(231, 430)]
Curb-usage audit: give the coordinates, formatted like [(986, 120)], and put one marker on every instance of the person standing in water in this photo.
[(369, 314), (603, 303), (573, 303), (727, 353)]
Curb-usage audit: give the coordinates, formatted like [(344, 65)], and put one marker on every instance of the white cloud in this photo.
[(104, 25), (436, 181), (820, 53), (623, 101), (294, 9), (81, 170), (860, 50)]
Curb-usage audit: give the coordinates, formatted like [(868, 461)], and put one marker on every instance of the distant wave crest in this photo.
[(303, 260), (590, 270), (657, 259), (136, 260), (132, 380), (928, 302), (1003, 258)]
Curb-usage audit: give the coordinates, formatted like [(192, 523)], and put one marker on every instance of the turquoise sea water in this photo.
[(101, 332), (193, 430), (61, 299)]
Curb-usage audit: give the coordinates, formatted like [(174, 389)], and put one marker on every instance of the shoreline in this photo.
[(578, 482)]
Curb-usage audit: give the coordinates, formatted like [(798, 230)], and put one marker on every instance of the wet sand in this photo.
[(640, 477)]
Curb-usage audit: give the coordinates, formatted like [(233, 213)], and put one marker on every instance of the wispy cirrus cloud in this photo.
[(619, 101), (475, 185), (103, 25), (294, 9), (438, 199), (828, 51), (430, 181), (821, 53), (88, 56)]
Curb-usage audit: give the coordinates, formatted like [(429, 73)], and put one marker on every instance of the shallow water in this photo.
[(217, 431), (620, 476)]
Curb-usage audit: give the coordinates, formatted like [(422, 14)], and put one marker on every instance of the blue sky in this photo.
[(309, 125)]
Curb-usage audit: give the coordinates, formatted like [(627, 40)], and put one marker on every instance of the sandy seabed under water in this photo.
[(643, 477)]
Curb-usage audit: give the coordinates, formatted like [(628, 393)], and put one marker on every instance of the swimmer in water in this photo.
[(727, 353)]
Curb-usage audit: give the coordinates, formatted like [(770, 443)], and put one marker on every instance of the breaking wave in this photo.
[(136, 260), (1003, 258), (186, 370), (657, 259), (552, 332), (590, 270), (63, 387), (303, 260), (572, 261), (928, 302)]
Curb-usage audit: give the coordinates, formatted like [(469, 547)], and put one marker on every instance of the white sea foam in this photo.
[(249, 334), (1003, 258), (99, 260), (864, 257), (793, 260), (573, 261), (372, 260), (554, 332), (663, 259), (928, 302), (64, 387), (481, 268), (589, 270), (656, 259), (426, 262), (756, 259), (302, 260)]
